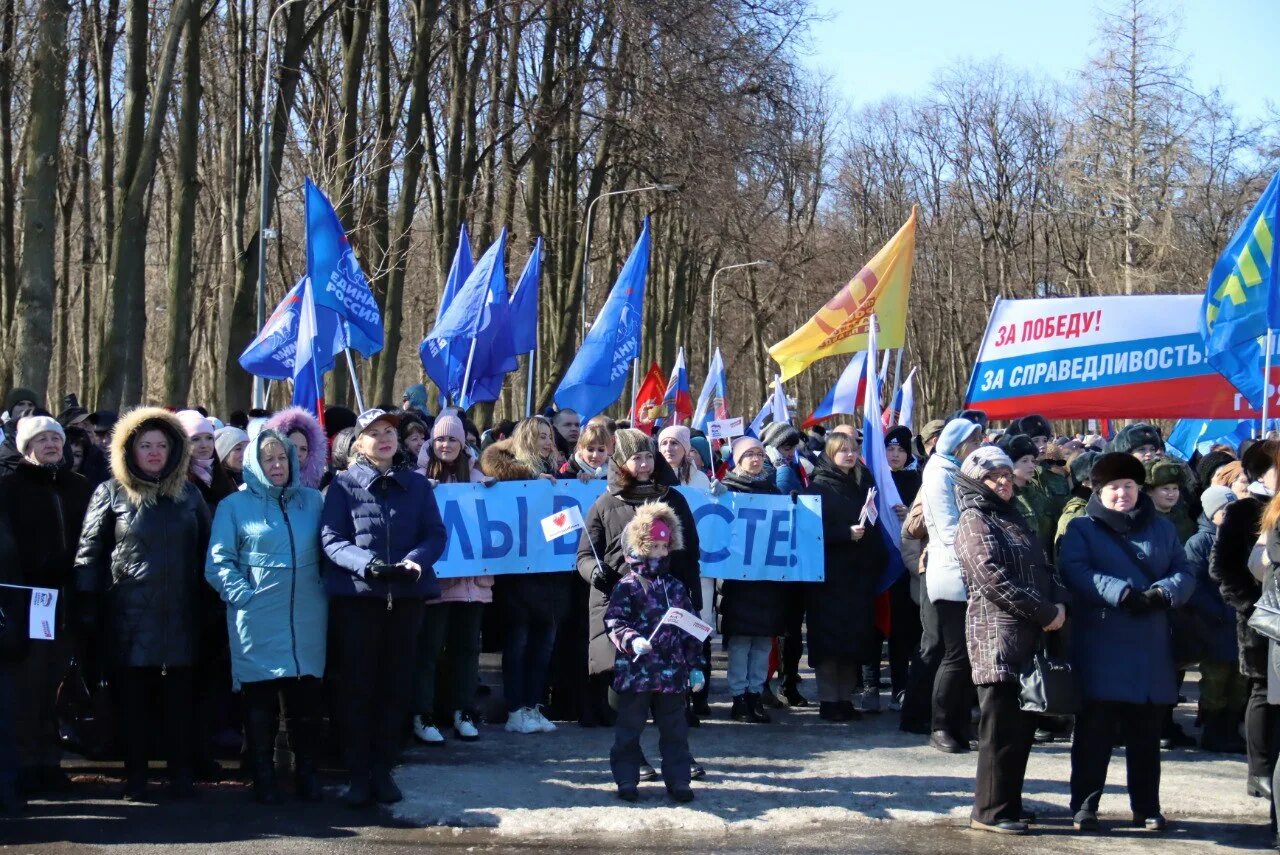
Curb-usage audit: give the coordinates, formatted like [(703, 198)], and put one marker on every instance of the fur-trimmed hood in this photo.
[(173, 479), (499, 461), (635, 537), (296, 418)]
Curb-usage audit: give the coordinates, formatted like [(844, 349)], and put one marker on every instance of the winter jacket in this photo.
[(908, 483), (264, 562), (1219, 618), (943, 581), (142, 551), (1056, 487), (841, 608), (298, 419), (1073, 508), (791, 476), (545, 595), (1229, 568), (1037, 509), (634, 610), (1182, 523), (1011, 595), (1120, 656), (605, 521), (43, 509), (752, 608), (391, 516)]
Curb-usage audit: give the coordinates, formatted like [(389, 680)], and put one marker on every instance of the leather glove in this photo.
[(1135, 602), (602, 580), (697, 680), (641, 646), (1156, 599), (382, 571)]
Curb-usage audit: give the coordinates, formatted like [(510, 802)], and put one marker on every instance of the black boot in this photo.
[(385, 790), (755, 709), (740, 711), (304, 739), (829, 711), (768, 698), (1220, 735), (791, 692), (258, 727), (11, 801)]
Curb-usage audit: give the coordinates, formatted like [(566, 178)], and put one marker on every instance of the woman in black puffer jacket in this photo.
[(752, 614), (141, 569)]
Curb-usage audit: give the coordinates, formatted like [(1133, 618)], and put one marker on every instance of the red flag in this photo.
[(648, 404)]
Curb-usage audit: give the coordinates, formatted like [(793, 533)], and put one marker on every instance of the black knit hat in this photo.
[(1258, 458), (899, 436), (1081, 467), (1017, 446), (1134, 437), (1211, 463), (1032, 426), (1115, 466)]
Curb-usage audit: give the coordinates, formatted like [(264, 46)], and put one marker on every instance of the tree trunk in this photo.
[(33, 330), (177, 384)]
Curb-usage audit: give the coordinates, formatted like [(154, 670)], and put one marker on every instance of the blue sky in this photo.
[(872, 50)]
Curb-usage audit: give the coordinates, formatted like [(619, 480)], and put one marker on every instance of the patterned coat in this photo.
[(1011, 593)]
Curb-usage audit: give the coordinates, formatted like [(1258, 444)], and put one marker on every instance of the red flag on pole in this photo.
[(648, 404)]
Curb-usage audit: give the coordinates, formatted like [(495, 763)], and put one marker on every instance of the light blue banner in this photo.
[(498, 530)]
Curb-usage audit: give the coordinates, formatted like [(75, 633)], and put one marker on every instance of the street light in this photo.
[(586, 252), (264, 193), (711, 323)]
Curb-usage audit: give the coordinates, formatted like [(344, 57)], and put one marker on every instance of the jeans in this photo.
[(1004, 744), (451, 629), (673, 738), (375, 647), (1100, 725), (748, 663), (953, 684), (526, 658)]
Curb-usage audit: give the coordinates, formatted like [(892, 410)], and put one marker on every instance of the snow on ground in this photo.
[(793, 774)]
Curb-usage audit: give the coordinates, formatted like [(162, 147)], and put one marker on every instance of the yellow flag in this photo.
[(841, 325)]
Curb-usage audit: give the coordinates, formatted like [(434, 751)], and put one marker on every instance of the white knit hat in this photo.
[(30, 426)]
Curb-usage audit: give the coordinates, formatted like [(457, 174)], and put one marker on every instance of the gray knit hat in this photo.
[(226, 439), (986, 459), (628, 442)]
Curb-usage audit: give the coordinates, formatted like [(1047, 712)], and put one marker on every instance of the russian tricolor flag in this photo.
[(887, 497), (711, 400), (677, 400), (845, 396)]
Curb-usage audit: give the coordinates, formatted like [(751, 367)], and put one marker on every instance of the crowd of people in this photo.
[(272, 579)]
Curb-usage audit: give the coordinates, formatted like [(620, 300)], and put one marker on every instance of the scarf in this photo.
[(203, 469)]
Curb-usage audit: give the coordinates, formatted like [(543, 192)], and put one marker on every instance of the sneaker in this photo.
[(518, 722), (895, 703), (426, 732), (868, 700), (464, 727), (541, 722)]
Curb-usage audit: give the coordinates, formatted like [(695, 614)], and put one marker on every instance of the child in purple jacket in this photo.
[(654, 666)]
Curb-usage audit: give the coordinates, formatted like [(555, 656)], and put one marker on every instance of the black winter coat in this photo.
[(841, 608), (604, 524), (142, 552), (1229, 567), (753, 608), (908, 483), (43, 508)]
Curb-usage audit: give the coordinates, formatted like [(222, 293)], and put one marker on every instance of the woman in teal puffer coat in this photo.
[(264, 561)]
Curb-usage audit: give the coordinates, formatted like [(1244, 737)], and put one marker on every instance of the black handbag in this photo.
[(1265, 619), (1188, 631), (1048, 686)]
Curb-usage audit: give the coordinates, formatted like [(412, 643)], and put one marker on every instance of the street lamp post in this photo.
[(586, 249), (711, 321), (264, 214)]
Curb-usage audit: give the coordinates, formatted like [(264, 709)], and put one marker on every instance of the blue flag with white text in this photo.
[(337, 282), (440, 359)]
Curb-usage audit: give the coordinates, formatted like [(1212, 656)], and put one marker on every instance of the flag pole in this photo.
[(532, 367), (355, 381), (1266, 382), (635, 387), (897, 372), (466, 377)]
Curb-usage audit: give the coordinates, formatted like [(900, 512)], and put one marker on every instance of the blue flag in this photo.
[(475, 326), (599, 370), (308, 385), (1241, 301), (338, 282), (437, 355), (523, 315), (271, 353)]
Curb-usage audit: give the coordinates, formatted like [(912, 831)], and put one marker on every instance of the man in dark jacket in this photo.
[(42, 506), (1229, 567)]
